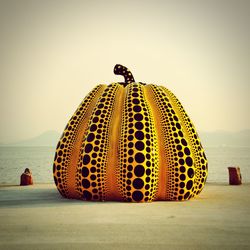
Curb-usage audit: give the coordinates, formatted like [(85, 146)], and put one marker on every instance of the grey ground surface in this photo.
[(37, 217)]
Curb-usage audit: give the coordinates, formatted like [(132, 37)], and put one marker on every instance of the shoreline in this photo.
[(38, 217), (52, 184)]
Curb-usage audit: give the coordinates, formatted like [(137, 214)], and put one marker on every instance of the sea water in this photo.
[(13, 161)]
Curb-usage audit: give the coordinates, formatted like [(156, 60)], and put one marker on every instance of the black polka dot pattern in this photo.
[(118, 152), (92, 165), (138, 148), (199, 160), (66, 144), (121, 70), (173, 134)]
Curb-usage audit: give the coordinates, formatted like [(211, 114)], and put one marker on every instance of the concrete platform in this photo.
[(37, 217)]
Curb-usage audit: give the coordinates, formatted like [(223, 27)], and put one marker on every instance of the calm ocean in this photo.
[(13, 161)]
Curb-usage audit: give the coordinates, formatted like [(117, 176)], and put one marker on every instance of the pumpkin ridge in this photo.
[(138, 148), (155, 148), (112, 186), (91, 174), (168, 139), (163, 159), (63, 167), (81, 130), (185, 167), (200, 160), (176, 184)]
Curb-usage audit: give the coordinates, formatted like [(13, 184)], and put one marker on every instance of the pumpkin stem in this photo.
[(121, 70)]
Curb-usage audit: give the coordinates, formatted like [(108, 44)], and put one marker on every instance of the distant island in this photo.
[(46, 139), (208, 139)]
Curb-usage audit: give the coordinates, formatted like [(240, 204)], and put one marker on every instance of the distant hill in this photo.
[(208, 139), (223, 138), (48, 138)]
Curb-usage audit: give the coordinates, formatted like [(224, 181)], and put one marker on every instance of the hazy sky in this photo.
[(52, 53)]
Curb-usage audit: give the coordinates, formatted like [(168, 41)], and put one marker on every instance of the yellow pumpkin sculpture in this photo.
[(130, 141)]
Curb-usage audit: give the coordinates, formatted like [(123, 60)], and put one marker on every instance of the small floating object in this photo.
[(26, 178), (234, 176)]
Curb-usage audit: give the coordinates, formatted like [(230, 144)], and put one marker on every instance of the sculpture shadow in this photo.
[(21, 197)]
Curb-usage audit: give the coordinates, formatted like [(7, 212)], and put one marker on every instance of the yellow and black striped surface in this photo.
[(130, 142)]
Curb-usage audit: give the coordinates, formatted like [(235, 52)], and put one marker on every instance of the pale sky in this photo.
[(52, 53)]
